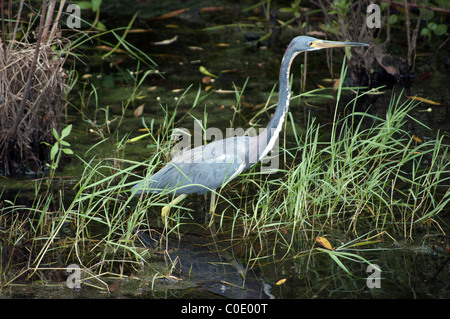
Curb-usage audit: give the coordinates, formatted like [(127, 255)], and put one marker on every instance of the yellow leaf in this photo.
[(324, 242), (336, 84), (421, 99), (203, 70), (228, 71), (417, 139), (138, 31), (370, 209), (108, 48), (137, 138), (281, 281), (168, 15)]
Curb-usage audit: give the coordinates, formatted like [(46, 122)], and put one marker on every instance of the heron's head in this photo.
[(305, 43)]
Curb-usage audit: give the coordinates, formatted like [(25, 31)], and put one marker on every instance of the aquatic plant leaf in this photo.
[(204, 71), (139, 110), (324, 242), (281, 281), (169, 14), (96, 5), (66, 131), (440, 29), (67, 151), (53, 151), (421, 99), (137, 138), (55, 134), (84, 5), (167, 41), (417, 139), (211, 9)]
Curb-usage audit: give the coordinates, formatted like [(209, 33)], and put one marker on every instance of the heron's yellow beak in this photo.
[(323, 44)]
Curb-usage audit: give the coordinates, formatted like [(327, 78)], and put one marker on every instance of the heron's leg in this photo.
[(166, 209)]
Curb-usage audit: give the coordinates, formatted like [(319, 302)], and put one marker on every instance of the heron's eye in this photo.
[(310, 43)]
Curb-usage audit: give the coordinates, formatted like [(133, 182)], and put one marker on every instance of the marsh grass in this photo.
[(367, 178), (370, 172)]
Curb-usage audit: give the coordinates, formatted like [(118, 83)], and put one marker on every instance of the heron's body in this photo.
[(211, 166), (186, 173)]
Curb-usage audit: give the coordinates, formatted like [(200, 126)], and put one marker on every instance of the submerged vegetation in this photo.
[(345, 189)]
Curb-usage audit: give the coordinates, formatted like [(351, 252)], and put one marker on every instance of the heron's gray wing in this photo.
[(187, 178), (201, 169)]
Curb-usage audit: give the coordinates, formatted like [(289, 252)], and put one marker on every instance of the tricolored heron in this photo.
[(211, 166)]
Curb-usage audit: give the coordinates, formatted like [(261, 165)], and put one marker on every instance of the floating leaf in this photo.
[(166, 42), (421, 99), (206, 79), (194, 48), (375, 92), (137, 138), (139, 110), (224, 91), (169, 14), (138, 31), (228, 71), (204, 71), (211, 9), (324, 243), (417, 139), (109, 48), (281, 281), (336, 84), (118, 61)]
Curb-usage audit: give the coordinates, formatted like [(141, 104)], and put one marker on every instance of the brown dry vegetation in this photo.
[(31, 83)]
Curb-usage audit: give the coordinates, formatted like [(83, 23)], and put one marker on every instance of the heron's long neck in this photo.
[(267, 138)]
